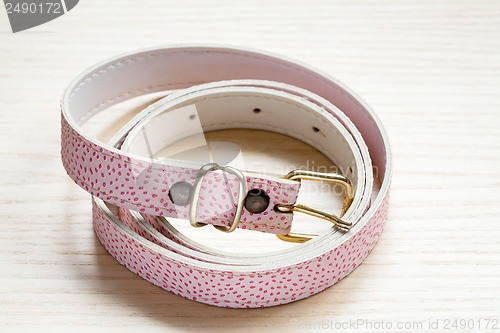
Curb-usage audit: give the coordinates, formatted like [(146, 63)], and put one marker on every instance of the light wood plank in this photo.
[(431, 69)]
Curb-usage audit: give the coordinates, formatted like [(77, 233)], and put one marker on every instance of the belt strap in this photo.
[(291, 99)]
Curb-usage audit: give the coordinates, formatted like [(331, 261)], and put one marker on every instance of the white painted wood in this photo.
[(431, 69)]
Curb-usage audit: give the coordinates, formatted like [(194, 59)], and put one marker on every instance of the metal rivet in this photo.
[(256, 201), (180, 193)]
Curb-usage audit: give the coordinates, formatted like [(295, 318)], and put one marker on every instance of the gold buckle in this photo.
[(336, 220)]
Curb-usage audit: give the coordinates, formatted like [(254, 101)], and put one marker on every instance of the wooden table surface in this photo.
[(430, 69)]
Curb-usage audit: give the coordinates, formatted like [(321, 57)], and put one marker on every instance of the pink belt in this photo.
[(263, 92)]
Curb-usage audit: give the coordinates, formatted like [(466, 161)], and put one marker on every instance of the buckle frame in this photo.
[(337, 221)]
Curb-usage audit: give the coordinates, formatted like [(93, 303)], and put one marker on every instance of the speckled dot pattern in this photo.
[(226, 288), (169, 260), (143, 186)]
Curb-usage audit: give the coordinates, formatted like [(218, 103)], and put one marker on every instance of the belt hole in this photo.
[(315, 129), (256, 110)]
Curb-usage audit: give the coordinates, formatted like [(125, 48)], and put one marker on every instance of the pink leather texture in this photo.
[(139, 186), (240, 290), (143, 186)]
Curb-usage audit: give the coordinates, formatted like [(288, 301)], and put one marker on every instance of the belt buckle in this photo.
[(297, 175), (337, 221)]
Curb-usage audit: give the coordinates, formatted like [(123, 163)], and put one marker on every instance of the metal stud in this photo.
[(180, 193), (256, 201)]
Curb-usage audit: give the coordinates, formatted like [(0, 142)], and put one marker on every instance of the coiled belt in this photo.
[(264, 92)]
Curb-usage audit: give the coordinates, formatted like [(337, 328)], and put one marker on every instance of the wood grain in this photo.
[(431, 70)]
